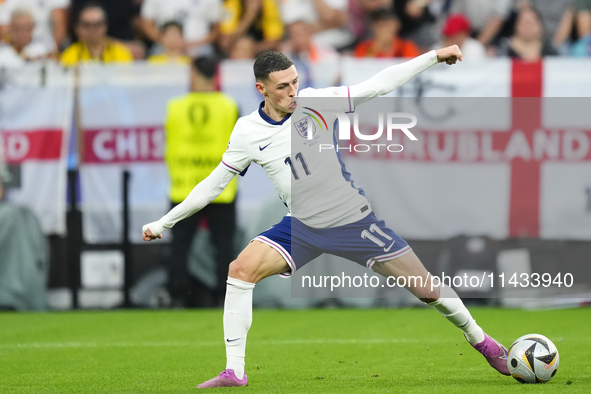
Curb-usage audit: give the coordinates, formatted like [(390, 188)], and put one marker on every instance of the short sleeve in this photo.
[(237, 156), (338, 98)]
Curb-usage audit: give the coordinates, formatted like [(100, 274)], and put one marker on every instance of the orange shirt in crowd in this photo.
[(399, 48)]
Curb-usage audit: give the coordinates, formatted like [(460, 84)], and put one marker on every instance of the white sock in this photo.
[(454, 310), (237, 321)]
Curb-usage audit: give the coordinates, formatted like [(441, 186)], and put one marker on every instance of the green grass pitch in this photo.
[(311, 351)]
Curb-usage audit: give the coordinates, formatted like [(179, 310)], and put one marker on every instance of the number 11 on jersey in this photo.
[(299, 157)]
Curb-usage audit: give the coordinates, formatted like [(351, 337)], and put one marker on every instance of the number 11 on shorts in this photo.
[(375, 229)]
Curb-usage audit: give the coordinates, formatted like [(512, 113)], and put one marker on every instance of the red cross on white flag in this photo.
[(520, 168)]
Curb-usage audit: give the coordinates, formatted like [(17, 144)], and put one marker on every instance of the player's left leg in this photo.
[(447, 302)]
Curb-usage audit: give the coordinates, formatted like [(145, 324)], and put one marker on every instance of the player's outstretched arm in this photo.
[(393, 77), (201, 195)]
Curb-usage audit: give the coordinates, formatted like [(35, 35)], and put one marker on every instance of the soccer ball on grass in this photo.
[(533, 358)]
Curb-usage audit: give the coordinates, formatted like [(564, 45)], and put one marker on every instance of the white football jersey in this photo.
[(313, 184)]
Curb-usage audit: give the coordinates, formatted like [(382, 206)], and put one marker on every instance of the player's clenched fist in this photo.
[(450, 54), (147, 234)]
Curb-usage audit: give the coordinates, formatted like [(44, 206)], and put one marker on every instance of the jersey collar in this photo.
[(267, 119)]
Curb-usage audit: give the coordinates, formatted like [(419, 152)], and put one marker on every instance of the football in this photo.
[(533, 358)]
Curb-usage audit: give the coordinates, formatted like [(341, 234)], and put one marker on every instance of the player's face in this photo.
[(280, 89)]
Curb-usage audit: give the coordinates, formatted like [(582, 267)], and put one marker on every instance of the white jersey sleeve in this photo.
[(201, 195), (237, 157), (391, 78), (341, 94)]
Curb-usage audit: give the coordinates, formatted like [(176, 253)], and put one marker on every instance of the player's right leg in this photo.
[(447, 302), (256, 262)]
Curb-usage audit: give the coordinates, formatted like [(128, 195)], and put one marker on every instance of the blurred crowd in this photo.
[(174, 31)]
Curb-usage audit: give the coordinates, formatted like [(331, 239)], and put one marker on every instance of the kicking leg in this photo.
[(256, 262), (447, 302)]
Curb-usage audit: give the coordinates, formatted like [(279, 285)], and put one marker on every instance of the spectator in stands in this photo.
[(456, 30), (301, 46), (359, 16), (200, 21), (50, 17), (323, 60), (173, 42), (93, 44), (244, 48), (486, 16), (417, 20), (122, 20), (327, 19), (528, 42), (557, 17), (197, 130), (386, 42), (260, 19), (20, 48), (582, 47)]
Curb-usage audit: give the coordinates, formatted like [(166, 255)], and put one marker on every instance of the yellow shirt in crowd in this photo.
[(114, 52), (165, 59), (268, 22)]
